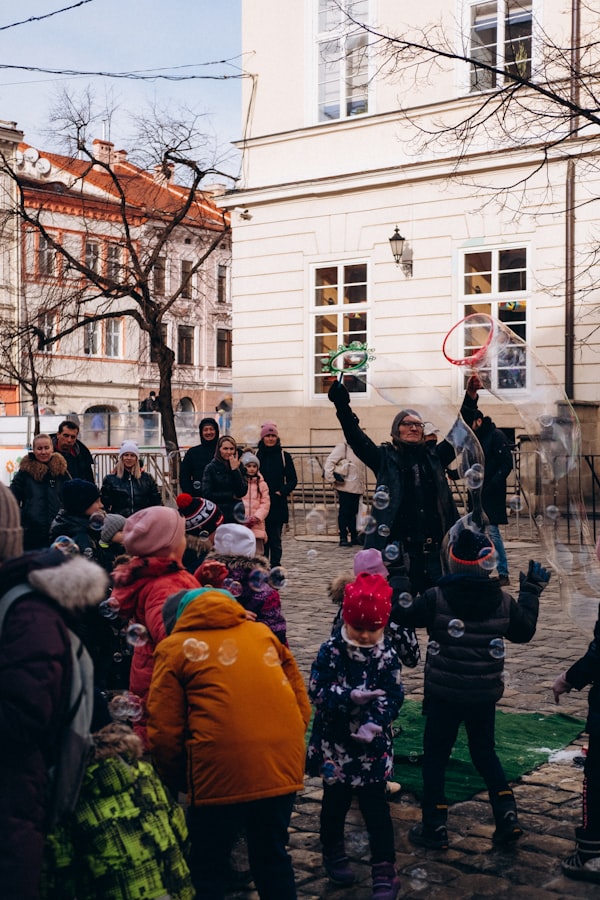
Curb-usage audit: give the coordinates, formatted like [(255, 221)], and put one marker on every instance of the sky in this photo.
[(178, 37)]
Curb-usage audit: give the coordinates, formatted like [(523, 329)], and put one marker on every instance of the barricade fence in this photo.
[(528, 489)]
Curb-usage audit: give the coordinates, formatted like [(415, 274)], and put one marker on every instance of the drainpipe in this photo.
[(570, 210)]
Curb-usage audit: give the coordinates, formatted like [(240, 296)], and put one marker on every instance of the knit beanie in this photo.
[(112, 524), (399, 417), (249, 457), (199, 514), (367, 602), (155, 531), (268, 428), (371, 562), (235, 540), (472, 553), (129, 447), (78, 495), (11, 533)]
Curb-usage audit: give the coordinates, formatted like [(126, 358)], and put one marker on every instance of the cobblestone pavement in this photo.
[(549, 799)]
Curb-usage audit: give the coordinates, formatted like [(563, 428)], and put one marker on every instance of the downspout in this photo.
[(570, 211)]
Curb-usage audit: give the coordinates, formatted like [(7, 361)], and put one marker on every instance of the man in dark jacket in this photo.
[(468, 616), (416, 509), (35, 683), (198, 457), (498, 466), (79, 460)]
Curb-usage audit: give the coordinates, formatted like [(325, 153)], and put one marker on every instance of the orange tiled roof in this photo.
[(148, 196)]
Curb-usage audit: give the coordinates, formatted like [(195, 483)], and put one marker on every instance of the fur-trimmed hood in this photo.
[(73, 582), (56, 466), (337, 585), (143, 569), (241, 563)]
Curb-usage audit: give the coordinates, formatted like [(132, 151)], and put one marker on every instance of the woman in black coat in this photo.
[(278, 470), (224, 480), (128, 489), (38, 488), (420, 508)]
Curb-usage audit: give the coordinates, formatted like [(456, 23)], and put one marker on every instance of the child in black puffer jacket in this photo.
[(467, 616)]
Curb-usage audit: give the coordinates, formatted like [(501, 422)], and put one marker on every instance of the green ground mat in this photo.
[(523, 742)]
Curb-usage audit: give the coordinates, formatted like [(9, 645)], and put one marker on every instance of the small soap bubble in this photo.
[(553, 512), (204, 535), (271, 657), (433, 648), (516, 503), (195, 650), (487, 560), (413, 757), (311, 555), (96, 521), (496, 648), (391, 552), (329, 772), (196, 485), (357, 843), (235, 588), (546, 421), (136, 635), (278, 577), (405, 600), (383, 488), (456, 628), (369, 524), (66, 545), (126, 707), (117, 657), (228, 652), (239, 513), (539, 521), (381, 499), (384, 531), (315, 522), (108, 609), (257, 579), (473, 478)]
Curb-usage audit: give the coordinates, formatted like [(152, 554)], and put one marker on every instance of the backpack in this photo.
[(75, 739)]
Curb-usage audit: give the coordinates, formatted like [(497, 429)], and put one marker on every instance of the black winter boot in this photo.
[(337, 865), (508, 829), (584, 863), (432, 832)]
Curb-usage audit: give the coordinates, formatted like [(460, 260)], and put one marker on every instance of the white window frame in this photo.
[(46, 258), (345, 33), (339, 309), (92, 251), (113, 338), (491, 302), (92, 340), (47, 322), (500, 23), (114, 261)]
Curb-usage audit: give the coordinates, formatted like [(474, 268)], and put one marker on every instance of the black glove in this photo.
[(537, 577), (338, 394)]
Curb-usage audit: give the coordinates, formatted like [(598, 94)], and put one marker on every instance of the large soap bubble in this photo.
[(550, 478)]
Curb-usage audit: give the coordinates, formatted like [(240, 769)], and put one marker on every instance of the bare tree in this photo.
[(149, 213)]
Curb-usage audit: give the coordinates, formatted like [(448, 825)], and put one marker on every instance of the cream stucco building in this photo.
[(342, 144)]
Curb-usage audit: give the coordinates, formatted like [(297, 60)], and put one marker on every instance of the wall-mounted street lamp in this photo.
[(397, 245)]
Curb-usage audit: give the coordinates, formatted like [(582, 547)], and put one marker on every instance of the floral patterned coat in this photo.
[(339, 668)]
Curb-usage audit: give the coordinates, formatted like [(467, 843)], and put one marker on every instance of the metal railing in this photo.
[(527, 490)]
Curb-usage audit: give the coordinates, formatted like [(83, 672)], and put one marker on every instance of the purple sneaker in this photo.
[(337, 866), (386, 884)]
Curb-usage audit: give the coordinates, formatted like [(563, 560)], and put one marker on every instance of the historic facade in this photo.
[(348, 138)]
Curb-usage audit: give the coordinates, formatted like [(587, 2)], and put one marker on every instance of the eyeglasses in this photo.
[(413, 424)]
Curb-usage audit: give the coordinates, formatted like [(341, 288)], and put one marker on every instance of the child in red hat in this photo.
[(355, 685)]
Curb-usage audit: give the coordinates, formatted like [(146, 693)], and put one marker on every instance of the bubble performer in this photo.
[(468, 616), (550, 477)]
